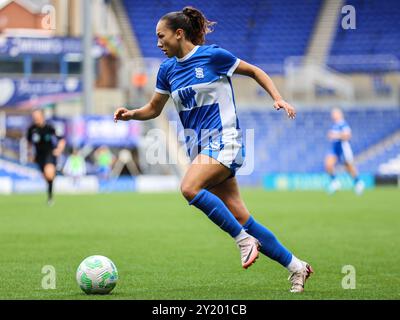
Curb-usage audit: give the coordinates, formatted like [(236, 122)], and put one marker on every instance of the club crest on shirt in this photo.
[(199, 73), (35, 137)]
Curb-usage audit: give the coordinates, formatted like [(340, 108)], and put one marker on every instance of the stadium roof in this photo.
[(32, 6)]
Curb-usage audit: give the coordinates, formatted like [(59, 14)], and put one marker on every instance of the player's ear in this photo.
[(179, 34)]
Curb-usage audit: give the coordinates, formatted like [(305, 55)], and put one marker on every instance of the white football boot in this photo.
[(299, 278), (359, 187), (334, 186), (248, 250)]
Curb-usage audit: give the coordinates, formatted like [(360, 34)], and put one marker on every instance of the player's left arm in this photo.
[(262, 78), (59, 149)]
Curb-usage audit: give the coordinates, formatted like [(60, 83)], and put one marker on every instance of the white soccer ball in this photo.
[(97, 275)]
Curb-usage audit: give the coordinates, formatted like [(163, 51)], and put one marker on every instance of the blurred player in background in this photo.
[(339, 135), (48, 146), (197, 77), (75, 166), (104, 161)]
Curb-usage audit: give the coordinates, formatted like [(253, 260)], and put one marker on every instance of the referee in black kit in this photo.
[(48, 146)]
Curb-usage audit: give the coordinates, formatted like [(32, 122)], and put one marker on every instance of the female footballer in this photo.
[(197, 77)]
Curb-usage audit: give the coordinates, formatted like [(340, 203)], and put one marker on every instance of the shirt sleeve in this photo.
[(225, 63), (162, 85), (346, 128), (56, 133)]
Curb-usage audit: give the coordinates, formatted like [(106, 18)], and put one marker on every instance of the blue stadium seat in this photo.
[(263, 32), (300, 146), (377, 33)]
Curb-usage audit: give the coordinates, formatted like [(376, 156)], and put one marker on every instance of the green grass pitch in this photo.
[(164, 249)]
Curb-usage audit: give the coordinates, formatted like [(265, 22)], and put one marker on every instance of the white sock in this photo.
[(295, 265), (242, 235)]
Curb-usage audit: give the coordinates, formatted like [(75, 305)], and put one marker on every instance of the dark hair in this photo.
[(192, 21)]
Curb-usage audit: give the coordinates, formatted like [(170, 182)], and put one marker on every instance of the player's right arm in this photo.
[(149, 111), (263, 79), (29, 145)]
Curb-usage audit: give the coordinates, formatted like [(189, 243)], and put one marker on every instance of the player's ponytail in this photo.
[(192, 21), (200, 26)]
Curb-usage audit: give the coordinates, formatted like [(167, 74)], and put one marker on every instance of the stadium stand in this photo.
[(385, 162), (306, 140), (267, 32), (285, 146), (15, 170), (377, 33), (261, 31)]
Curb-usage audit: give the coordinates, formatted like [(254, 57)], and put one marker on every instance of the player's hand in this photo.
[(282, 104), (123, 114)]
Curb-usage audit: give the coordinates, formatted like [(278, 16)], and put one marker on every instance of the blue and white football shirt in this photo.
[(201, 89), (341, 148)]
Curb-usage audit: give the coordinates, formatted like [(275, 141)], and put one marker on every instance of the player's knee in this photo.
[(49, 175), (189, 191), (329, 164), (49, 179)]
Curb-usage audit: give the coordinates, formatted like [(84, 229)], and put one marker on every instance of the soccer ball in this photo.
[(97, 275)]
